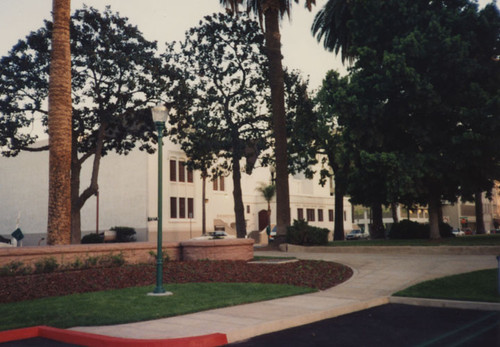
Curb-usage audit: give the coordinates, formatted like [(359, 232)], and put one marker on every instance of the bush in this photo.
[(15, 268), (125, 234), (46, 265), (93, 238), (301, 233), (407, 229)]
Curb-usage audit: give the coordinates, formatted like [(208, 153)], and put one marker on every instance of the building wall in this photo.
[(128, 196)]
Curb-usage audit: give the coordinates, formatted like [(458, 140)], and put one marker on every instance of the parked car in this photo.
[(357, 234), (458, 232), (468, 231)]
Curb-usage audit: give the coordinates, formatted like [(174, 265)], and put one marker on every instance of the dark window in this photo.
[(173, 169), (190, 175), (173, 207), (300, 214), (182, 207), (182, 170), (330, 215), (320, 215), (310, 215), (216, 184), (190, 208), (221, 184), (248, 208)]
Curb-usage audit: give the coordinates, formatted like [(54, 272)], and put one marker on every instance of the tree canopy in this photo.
[(116, 77)]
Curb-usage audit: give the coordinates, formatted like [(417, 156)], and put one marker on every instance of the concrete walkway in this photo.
[(376, 277)]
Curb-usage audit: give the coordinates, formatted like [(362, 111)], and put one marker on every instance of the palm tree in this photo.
[(272, 11), (330, 24), (60, 127), (268, 192)]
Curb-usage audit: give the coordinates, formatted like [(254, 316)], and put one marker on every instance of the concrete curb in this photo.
[(445, 250), (468, 305)]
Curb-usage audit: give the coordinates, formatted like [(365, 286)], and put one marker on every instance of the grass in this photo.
[(133, 304), (479, 285), (472, 240)]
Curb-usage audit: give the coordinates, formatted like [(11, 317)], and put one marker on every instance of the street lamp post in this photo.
[(160, 114)]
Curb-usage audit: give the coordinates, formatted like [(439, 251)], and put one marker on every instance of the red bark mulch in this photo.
[(316, 274)]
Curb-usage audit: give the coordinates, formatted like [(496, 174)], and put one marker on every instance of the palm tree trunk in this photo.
[(478, 202), (60, 128), (276, 78)]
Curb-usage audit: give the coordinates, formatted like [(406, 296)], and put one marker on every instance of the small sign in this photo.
[(18, 234)]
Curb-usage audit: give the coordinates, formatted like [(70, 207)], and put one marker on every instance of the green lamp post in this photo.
[(160, 114)]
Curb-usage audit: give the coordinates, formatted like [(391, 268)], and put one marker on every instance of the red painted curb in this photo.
[(94, 340)]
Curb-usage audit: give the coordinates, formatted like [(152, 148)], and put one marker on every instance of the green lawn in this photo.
[(472, 240), (472, 286), (133, 304)]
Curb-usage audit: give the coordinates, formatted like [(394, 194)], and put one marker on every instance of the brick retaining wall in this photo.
[(133, 252)]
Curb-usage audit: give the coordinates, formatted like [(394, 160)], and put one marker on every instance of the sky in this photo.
[(167, 20)]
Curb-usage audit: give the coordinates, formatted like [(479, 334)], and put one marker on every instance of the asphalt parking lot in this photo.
[(393, 325)]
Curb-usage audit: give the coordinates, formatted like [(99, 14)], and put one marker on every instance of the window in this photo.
[(330, 215), (182, 207), (173, 169), (219, 183), (190, 208), (310, 214), (248, 208), (300, 214), (345, 216), (182, 170), (320, 215), (173, 207), (190, 175)]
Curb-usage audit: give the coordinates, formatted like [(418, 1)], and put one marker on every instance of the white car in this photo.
[(357, 234), (458, 232)]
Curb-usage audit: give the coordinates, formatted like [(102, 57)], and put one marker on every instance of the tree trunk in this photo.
[(394, 211), (60, 128), (239, 210), (76, 168), (276, 78), (203, 206), (338, 230), (478, 202), (378, 230), (434, 205)]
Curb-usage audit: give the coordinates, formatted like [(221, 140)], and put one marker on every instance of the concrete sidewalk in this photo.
[(376, 277)]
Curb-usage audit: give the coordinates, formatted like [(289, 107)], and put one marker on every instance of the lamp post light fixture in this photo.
[(160, 114)]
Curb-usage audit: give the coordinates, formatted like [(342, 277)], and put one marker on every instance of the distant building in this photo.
[(128, 196)]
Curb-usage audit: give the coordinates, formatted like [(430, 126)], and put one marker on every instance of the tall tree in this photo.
[(330, 26), (271, 12), (59, 213), (116, 75), (422, 100), (225, 68)]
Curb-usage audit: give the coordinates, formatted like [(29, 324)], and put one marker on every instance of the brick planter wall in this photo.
[(227, 249), (133, 252)]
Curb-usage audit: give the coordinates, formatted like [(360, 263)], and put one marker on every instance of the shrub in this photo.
[(301, 233), (93, 238), (46, 265), (125, 234), (407, 229), (15, 268)]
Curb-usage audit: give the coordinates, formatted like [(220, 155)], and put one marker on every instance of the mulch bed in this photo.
[(316, 274)]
